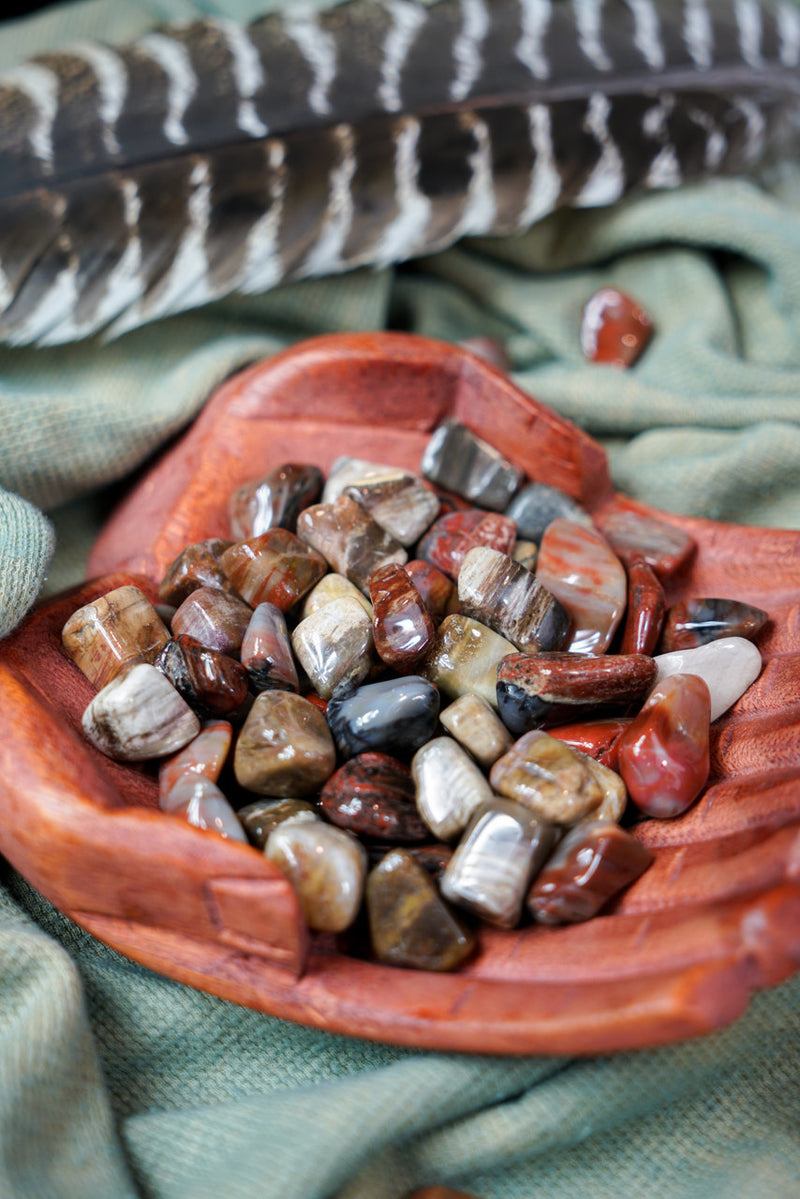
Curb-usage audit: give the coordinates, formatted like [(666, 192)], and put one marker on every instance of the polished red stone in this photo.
[(211, 682), (614, 328), (199, 565), (373, 795), (590, 866), (697, 622), (645, 611), (402, 626), (437, 591), (442, 545), (631, 532), (580, 678), (597, 738), (275, 568), (577, 565), (664, 753), (495, 531)]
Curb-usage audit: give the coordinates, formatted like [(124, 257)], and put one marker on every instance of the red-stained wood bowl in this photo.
[(716, 917)]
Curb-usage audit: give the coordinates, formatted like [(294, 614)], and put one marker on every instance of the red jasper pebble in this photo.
[(437, 591), (664, 753), (402, 626), (372, 795), (614, 328), (646, 606), (442, 544), (598, 739)]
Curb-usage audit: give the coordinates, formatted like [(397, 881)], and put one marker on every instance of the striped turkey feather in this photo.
[(209, 158)]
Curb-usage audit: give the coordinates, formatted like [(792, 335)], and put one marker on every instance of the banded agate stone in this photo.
[(205, 755), (202, 803), (400, 504), (114, 632), (578, 566), (266, 652), (394, 716)]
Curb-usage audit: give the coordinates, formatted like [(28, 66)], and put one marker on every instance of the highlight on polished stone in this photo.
[(266, 652), (349, 539), (477, 727), (275, 501), (394, 716), (464, 657), (373, 795), (139, 715), (335, 645), (275, 568), (260, 817), (402, 626), (549, 777), (449, 786), (592, 864), (285, 748), (456, 460), (581, 570), (327, 867), (614, 328), (204, 755), (199, 565), (214, 619), (696, 622), (115, 631), (201, 802), (664, 753), (727, 666), (498, 592), (211, 682)]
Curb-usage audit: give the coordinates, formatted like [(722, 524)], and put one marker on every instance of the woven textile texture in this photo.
[(116, 1083)]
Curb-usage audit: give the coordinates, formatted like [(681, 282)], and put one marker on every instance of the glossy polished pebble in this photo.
[(285, 748), (614, 328), (258, 819), (113, 632), (464, 658), (530, 685), (433, 858), (491, 869), (211, 682), (350, 540), (274, 568), (274, 501), (664, 753), (437, 591), (449, 786), (596, 738), (402, 505), (537, 505), (477, 727), (696, 622), (346, 472), (588, 868), (645, 609), (214, 618), (200, 801), (199, 565), (205, 755), (495, 531), (139, 715), (664, 547), (456, 460), (333, 586), (615, 796), (395, 716), (327, 868), (444, 545), (728, 667), (498, 592), (409, 923), (402, 626), (578, 566), (373, 796), (335, 645), (266, 652), (548, 777)]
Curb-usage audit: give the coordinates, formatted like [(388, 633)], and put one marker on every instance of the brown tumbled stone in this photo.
[(274, 501), (275, 568), (410, 924), (347, 536), (266, 652), (259, 818), (437, 591), (402, 505), (696, 622), (502, 594), (548, 777), (199, 565), (285, 747), (372, 795), (464, 657), (326, 866), (214, 618), (589, 867), (211, 682), (401, 625), (646, 605), (114, 632)]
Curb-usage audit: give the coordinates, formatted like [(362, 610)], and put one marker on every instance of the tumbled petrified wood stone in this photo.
[(664, 753), (614, 328), (275, 501), (645, 609), (327, 867), (615, 796), (214, 618), (458, 461), (211, 682), (449, 786), (349, 539), (346, 471), (205, 755), (464, 658), (394, 716), (664, 547), (266, 652), (259, 818), (200, 801), (199, 565), (373, 796), (333, 586), (402, 626), (491, 869), (477, 727), (401, 505), (696, 622), (548, 777), (495, 531), (727, 666), (111, 633), (275, 568), (588, 868), (335, 645), (139, 715), (537, 505), (498, 592), (444, 544), (284, 748), (436, 589), (579, 567), (409, 923)]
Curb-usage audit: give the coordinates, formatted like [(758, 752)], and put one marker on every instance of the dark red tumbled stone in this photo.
[(210, 682), (631, 532), (569, 678), (402, 626), (614, 328), (373, 795), (495, 531), (589, 867), (696, 622), (199, 565), (442, 545), (645, 610), (437, 591), (597, 738)]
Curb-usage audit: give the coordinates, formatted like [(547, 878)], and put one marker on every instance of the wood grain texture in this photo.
[(678, 955)]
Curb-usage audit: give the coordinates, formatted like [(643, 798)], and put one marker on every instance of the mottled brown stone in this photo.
[(116, 631), (327, 867), (548, 777), (347, 536), (373, 795), (199, 565), (285, 748), (275, 568), (589, 867)]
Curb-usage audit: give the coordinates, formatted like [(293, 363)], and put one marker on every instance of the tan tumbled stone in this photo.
[(285, 747)]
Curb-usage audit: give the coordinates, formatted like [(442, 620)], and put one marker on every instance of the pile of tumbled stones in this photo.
[(416, 681)]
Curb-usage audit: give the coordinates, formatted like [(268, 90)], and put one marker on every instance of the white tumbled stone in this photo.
[(139, 715), (334, 645), (449, 786), (728, 667)]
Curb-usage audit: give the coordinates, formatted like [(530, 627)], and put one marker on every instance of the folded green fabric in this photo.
[(115, 1082)]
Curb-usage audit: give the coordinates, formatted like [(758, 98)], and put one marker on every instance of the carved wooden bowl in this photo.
[(717, 915)]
